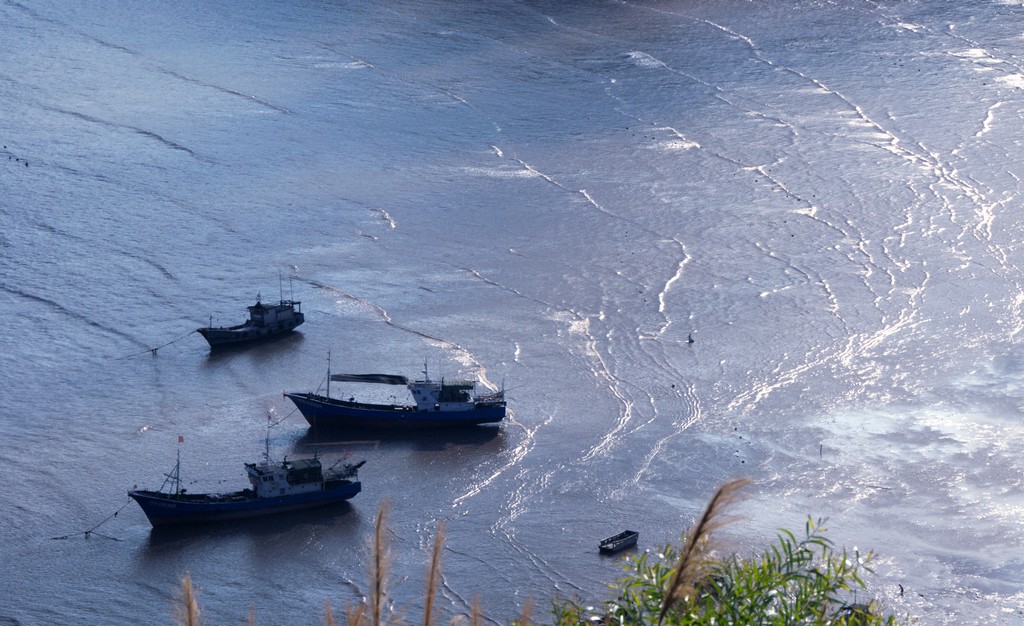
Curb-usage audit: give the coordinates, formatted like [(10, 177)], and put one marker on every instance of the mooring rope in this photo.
[(153, 350), (92, 531)]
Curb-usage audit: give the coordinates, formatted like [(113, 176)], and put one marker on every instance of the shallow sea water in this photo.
[(552, 197)]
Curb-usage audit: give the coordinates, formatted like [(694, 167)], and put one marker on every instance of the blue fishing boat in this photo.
[(436, 404), (275, 488)]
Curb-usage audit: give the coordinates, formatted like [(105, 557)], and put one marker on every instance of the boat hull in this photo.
[(325, 412), (166, 509), (245, 333), (619, 542)]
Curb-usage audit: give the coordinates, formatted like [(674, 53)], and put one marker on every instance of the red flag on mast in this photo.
[(181, 439)]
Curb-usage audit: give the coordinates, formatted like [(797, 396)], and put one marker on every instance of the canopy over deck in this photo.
[(383, 379)]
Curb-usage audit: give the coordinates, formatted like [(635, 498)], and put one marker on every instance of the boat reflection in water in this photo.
[(484, 440)]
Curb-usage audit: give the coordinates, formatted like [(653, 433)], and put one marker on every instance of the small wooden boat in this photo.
[(619, 542)]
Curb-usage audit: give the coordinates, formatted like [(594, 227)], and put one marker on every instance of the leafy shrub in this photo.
[(794, 581)]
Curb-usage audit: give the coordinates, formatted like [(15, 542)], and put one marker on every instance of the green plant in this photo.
[(794, 581)]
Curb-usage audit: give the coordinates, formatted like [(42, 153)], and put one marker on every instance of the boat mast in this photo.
[(266, 452), (174, 477), (328, 373), (177, 472)]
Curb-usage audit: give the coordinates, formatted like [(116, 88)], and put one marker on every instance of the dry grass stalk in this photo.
[(476, 618), (328, 614), (188, 609), (524, 619), (690, 569), (380, 563), (433, 576), (355, 615)]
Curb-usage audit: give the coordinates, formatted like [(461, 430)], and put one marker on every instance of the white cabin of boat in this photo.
[(285, 478), (430, 395), (446, 395)]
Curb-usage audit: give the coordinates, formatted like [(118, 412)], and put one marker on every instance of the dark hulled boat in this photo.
[(619, 542), (275, 488), (265, 320), (436, 404)]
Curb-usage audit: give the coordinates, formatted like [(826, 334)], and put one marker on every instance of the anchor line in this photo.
[(153, 350), (92, 531)]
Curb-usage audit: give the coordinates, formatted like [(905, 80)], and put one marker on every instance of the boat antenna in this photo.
[(177, 470), (328, 373), (266, 452), (426, 375), (280, 285), (270, 424)]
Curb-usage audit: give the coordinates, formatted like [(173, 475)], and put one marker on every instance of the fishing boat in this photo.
[(265, 320), (275, 488), (619, 542), (436, 404)]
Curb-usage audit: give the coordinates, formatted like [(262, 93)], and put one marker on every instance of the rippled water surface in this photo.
[(550, 196)]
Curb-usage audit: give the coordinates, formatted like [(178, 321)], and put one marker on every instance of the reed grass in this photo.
[(356, 615), (188, 605), (693, 562), (380, 563), (433, 576), (476, 616), (524, 617)]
